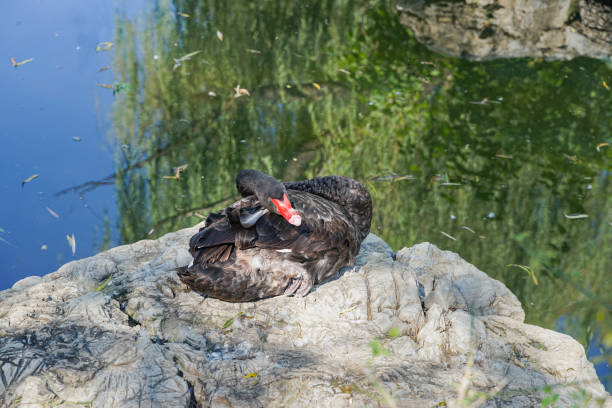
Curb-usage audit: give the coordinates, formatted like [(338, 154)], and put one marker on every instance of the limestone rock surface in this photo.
[(489, 29), (145, 340)]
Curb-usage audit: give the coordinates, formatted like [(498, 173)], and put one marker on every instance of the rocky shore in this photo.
[(416, 328)]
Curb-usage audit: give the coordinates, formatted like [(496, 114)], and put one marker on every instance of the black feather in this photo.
[(248, 251)]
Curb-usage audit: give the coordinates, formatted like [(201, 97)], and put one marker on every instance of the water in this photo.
[(497, 161)]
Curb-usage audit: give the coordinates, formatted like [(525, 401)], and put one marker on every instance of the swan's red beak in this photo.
[(289, 213)]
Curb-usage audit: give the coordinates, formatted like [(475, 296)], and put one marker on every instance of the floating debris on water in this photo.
[(252, 51), (17, 64), (186, 57), (212, 94), (71, 242), (53, 213), (575, 216), (220, 35), (241, 91), (393, 177), (316, 86), (77, 139), (104, 46), (104, 68), (177, 173), (599, 146), (465, 227), (183, 14), (448, 235), (6, 242), (32, 177), (43, 247), (526, 269), (483, 102)]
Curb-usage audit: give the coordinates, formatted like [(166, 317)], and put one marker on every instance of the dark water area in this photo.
[(505, 162)]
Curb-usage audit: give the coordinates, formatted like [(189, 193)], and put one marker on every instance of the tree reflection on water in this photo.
[(494, 155)]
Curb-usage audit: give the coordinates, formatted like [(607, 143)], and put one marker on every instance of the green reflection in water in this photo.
[(495, 154)]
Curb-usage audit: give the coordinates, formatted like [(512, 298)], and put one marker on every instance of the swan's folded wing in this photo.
[(274, 232), (218, 233)]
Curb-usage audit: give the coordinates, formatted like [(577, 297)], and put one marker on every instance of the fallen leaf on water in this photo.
[(572, 158), (316, 86), (575, 216), (605, 85), (180, 169), (467, 229), (104, 46), (448, 236), (77, 139), (186, 57), (177, 173), (483, 102), (526, 269), (104, 68), (350, 309), (6, 242), (602, 145), (241, 91), (103, 285), (393, 177), (189, 55), (251, 375), (71, 243), (53, 213), (183, 14), (344, 71), (32, 177), (504, 156), (220, 35), (107, 86), (16, 64), (252, 51)]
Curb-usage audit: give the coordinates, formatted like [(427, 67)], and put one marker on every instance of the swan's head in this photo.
[(285, 209)]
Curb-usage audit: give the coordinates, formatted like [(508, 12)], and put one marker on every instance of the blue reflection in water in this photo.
[(45, 104)]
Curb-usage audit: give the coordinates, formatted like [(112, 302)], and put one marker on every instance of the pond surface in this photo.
[(505, 162)]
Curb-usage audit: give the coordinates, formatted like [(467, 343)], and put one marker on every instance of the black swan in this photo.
[(280, 238)]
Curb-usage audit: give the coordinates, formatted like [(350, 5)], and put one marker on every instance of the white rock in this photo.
[(147, 340)]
